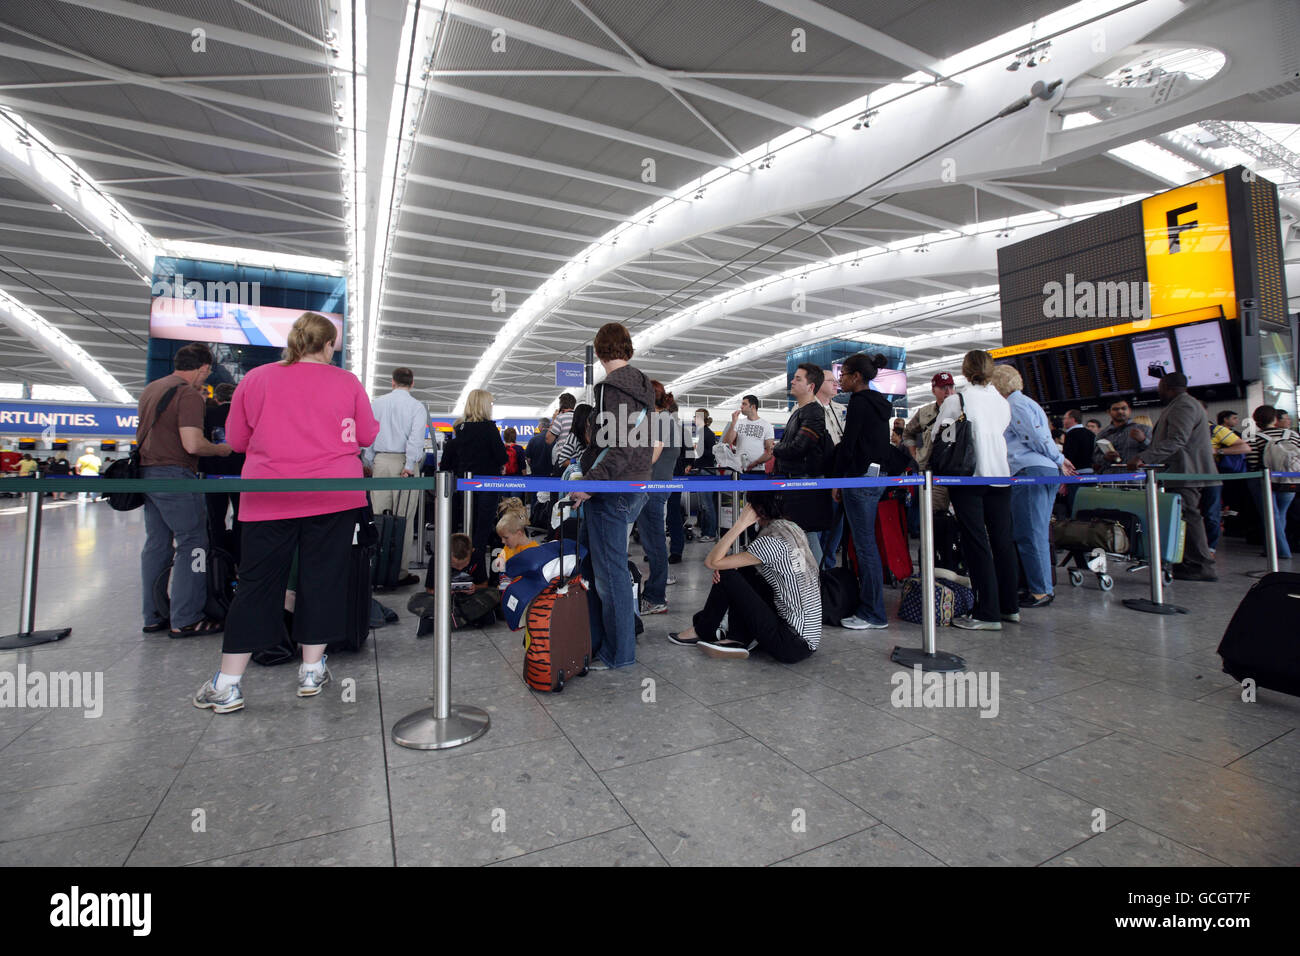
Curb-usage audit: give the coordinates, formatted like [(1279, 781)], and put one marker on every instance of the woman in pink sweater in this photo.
[(299, 418)]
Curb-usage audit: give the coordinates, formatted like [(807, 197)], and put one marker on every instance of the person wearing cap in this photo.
[(917, 433)]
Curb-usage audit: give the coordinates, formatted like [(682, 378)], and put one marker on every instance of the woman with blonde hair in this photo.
[(480, 451), (984, 511), (302, 417), (1031, 453)]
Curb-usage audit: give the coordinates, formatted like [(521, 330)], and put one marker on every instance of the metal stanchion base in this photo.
[(423, 730), (917, 657), (14, 641), (1151, 607)]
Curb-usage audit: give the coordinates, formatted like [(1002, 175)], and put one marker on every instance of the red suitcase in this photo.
[(891, 540)]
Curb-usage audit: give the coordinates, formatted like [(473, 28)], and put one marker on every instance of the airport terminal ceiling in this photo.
[(497, 178)]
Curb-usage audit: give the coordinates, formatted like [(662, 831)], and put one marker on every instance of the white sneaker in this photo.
[(856, 623), (966, 622), (671, 580), (311, 681)]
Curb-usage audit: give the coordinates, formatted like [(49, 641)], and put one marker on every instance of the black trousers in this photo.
[(485, 520), (256, 618), (988, 548), (746, 598), (217, 533)]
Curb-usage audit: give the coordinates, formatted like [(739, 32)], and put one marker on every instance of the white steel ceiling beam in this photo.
[(814, 171), (92, 67), (565, 121), (545, 202), (632, 65), (186, 24), (837, 24), (34, 107), (632, 184), (75, 360)]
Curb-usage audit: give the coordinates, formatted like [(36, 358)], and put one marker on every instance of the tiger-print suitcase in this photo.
[(557, 636)]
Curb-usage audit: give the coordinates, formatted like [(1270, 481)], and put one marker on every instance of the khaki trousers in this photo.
[(390, 465)]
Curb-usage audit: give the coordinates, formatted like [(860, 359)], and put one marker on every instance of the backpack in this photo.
[(1281, 454), (514, 460)]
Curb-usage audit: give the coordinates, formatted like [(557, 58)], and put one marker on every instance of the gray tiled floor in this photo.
[(681, 760)]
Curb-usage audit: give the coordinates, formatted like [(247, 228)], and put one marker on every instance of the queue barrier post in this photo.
[(421, 558), (445, 724), (27, 635), (735, 511), (927, 657), (1155, 559), (1270, 520), (467, 503)]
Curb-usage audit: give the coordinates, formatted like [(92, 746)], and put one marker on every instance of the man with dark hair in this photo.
[(799, 453), (560, 427), (1093, 425), (620, 451), (752, 437), (1079, 446), (1230, 420), (1181, 440), (170, 436), (398, 452), (1121, 440), (538, 453)]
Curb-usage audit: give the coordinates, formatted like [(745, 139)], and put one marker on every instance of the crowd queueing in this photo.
[(766, 596)]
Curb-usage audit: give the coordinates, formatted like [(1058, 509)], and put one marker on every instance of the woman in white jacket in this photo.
[(984, 511)]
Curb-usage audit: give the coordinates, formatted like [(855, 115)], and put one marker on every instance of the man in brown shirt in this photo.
[(170, 437)]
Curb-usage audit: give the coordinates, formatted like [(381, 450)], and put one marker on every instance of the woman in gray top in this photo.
[(666, 432)]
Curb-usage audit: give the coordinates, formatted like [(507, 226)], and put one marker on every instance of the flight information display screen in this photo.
[(1154, 357), (1201, 353)]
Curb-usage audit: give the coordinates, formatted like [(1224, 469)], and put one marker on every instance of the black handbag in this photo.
[(954, 447), (129, 467)]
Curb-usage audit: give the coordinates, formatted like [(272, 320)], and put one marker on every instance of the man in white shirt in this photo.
[(752, 437), (398, 451)]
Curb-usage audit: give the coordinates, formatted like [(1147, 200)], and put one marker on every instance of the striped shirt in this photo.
[(797, 593), (1255, 457)]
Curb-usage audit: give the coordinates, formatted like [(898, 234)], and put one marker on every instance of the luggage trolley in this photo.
[(1125, 509)]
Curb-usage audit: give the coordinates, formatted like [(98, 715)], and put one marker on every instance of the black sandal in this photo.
[(199, 629), (155, 628), (680, 641)]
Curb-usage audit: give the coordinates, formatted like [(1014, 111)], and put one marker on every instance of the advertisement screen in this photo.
[(1154, 357), (1201, 352), (890, 381), (228, 323)]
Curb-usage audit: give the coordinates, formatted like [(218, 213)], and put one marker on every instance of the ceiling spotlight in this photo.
[(700, 194), (1013, 66)]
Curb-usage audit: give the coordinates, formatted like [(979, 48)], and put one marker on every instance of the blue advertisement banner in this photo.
[(570, 375), (51, 420)]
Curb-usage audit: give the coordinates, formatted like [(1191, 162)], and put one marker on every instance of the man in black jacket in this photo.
[(620, 450), (801, 452), (1080, 443), (865, 442)]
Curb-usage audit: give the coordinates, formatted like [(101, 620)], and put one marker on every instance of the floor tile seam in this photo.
[(1138, 683), (1028, 778), (1229, 765), (135, 845), (740, 735), (819, 846), (84, 826), (874, 753), (632, 820), (1168, 752), (271, 846), (281, 749), (1275, 726), (555, 846), (384, 744), (22, 733)]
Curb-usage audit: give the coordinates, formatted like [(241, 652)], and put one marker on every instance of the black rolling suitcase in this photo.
[(1261, 642), (387, 568)]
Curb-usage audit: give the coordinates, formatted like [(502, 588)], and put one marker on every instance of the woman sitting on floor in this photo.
[(770, 594)]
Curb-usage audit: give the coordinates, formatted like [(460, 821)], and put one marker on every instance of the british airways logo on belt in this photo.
[(473, 484), (795, 484)]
